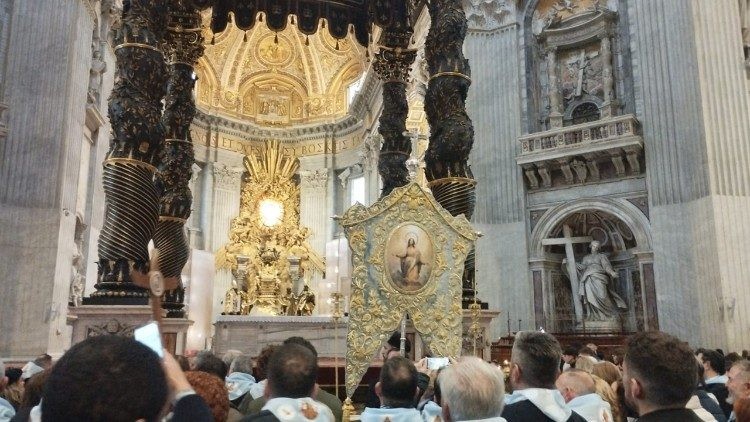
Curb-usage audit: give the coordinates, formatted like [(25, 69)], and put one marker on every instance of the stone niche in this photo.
[(583, 136), (623, 232)]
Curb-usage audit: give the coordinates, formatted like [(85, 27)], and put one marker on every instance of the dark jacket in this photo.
[(720, 391), (526, 411), (711, 406), (671, 415), (262, 416), (191, 408)]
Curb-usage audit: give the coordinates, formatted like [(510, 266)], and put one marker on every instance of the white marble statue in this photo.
[(596, 292)]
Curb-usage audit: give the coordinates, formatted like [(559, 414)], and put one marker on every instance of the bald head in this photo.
[(575, 383)]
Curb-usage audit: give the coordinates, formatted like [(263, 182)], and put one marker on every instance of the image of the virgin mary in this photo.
[(411, 263)]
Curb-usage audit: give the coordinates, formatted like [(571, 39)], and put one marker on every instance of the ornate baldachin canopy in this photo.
[(341, 15)]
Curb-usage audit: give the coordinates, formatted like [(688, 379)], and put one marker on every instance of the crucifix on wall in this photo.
[(577, 66), (568, 240)]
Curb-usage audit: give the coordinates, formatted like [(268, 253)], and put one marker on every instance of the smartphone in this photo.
[(436, 363), (148, 335)]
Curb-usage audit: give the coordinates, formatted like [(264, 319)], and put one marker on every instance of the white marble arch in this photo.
[(633, 217), (544, 268)]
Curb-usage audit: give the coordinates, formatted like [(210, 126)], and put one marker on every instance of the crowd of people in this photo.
[(111, 378)]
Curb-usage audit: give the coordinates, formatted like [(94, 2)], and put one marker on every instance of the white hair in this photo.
[(472, 389)]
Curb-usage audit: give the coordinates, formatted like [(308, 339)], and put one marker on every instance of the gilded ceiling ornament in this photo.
[(407, 256)]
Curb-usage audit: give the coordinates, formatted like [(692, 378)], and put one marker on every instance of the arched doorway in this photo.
[(566, 232)]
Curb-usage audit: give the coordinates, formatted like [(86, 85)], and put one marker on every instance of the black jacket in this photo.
[(526, 411), (671, 415), (720, 391)]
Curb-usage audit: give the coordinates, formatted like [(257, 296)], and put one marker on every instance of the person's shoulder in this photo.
[(671, 415), (523, 411)]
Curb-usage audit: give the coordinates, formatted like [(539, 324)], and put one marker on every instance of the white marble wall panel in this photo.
[(225, 204), (39, 166)]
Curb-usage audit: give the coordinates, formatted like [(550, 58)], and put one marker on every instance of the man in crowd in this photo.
[(715, 378), (240, 378), (659, 378), (292, 371), (390, 349), (579, 391), (6, 409), (738, 383), (535, 360), (397, 390), (569, 358), (113, 378), (318, 393), (472, 390)]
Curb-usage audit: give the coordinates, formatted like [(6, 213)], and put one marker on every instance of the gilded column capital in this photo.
[(183, 42), (393, 65)]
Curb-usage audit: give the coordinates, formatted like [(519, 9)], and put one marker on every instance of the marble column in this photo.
[(555, 102), (225, 203), (608, 80)]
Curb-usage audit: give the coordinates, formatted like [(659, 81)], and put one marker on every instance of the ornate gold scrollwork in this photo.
[(385, 283)]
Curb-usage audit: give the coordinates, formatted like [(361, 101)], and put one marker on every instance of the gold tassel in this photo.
[(347, 410)]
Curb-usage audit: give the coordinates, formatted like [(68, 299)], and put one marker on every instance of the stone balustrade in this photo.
[(588, 152)]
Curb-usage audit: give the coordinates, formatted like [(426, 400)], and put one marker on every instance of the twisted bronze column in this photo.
[(137, 133), (183, 47), (451, 130), (392, 64)]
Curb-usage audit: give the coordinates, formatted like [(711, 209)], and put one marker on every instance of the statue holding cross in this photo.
[(594, 298)]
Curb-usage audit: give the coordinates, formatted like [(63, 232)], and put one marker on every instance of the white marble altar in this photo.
[(250, 334)]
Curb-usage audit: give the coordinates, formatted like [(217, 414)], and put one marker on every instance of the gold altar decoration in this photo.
[(267, 234), (408, 257)]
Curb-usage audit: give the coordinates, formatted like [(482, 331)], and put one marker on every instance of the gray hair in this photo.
[(472, 389), (538, 355), (744, 366), (242, 363), (230, 356)]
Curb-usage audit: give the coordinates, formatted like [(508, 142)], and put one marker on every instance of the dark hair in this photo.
[(302, 342), (715, 359), (586, 351), (33, 389), (261, 363), (571, 351), (395, 341), (13, 374), (730, 359), (398, 382), (538, 355), (663, 365), (208, 362), (292, 371), (44, 360), (105, 378)]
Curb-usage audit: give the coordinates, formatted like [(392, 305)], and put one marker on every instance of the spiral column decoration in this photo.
[(451, 130), (183, 46), (137, 134), (392, 65)]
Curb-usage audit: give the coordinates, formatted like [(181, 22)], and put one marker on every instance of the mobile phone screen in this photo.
[(436, 363), (148, 335)]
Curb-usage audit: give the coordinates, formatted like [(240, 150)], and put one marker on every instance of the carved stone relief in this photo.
[(488, 14), (112, 327)]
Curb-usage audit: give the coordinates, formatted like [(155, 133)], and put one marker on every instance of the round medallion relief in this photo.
[(274, 53)]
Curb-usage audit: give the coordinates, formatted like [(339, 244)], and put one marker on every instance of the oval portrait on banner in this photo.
[(409, 257)]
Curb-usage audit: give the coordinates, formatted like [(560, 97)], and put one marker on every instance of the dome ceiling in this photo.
[(276, 78)]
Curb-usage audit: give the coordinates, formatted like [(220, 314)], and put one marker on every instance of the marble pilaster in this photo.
[(225, 206), (696, 132)]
